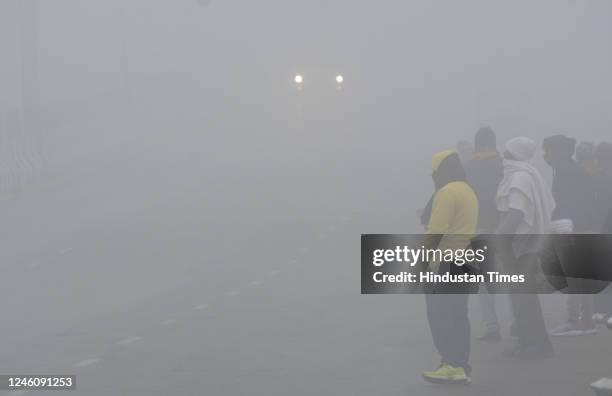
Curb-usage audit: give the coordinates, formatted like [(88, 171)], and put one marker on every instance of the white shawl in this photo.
[(524, 177)]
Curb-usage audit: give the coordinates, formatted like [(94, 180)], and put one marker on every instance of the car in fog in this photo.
[(300, 81)]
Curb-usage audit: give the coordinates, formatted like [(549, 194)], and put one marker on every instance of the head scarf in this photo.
[(521, 148)]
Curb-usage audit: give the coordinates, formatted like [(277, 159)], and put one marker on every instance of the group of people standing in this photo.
[(483, 192)]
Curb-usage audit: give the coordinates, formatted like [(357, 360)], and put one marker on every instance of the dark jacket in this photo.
[(607, 228), (484, 173), (603, 188), (575, 196)]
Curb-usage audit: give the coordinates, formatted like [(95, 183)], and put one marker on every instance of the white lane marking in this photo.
[(323, 235), (65, 250), (293, 262), (331, 228), (232, 293), (167, 322), (33, 264), (256, 282), (201, 307), (86, 362), (306, 249), (129, 341), (273, 273)]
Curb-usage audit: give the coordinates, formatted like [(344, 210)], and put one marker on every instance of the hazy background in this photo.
[(158, 154), (413, 69)]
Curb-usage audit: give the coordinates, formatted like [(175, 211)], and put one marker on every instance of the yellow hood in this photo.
[(438, 158)]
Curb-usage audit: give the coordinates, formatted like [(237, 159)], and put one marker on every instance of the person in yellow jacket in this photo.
[(451, 225)]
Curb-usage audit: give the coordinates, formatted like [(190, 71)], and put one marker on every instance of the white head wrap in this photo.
[(521, 148)]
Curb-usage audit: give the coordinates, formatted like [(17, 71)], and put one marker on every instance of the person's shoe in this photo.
[(447, 375), (490, 336), (600, 318), (533, 351), (566, 330)]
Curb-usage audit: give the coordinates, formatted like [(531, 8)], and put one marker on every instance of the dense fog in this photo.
[(160, 154)]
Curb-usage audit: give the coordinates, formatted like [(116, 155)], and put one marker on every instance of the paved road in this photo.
[(224, 278)]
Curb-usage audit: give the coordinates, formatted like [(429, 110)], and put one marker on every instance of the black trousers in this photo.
[(529, 321), (447, 314)]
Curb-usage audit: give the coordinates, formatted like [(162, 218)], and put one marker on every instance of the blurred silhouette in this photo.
[(607, 228), (484, 173), (455, 212), (603, 178), (464, 152), (526, 205), (603, 183), (585, 157), (572, 188), (574, 192)]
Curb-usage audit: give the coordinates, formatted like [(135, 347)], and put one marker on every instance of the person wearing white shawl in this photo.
[(526, 205), (524, 189)]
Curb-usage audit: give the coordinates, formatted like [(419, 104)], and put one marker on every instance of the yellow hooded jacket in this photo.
[(455, 206)]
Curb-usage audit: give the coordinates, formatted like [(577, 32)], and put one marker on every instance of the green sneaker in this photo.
[(447, 374)]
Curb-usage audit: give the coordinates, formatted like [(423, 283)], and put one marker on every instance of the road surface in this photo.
[(199, 274)]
